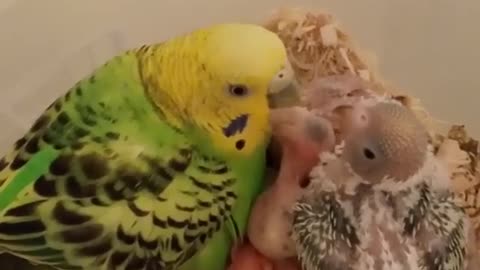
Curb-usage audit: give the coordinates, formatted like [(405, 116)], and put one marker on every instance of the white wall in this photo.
[(429, 47)]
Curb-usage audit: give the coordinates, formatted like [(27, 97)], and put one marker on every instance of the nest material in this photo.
[(318, 46)]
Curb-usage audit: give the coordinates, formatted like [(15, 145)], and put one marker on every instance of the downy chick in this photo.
[(382, 200)]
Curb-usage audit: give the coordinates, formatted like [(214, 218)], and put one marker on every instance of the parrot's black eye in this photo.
[(368, 153), (238, 90)]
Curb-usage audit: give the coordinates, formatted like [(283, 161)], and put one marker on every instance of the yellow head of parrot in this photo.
[(219, 78), (247, 63)]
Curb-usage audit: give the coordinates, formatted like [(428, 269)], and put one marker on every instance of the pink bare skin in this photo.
[(301, 136), (245, 256), (329, 97), (325, 93)]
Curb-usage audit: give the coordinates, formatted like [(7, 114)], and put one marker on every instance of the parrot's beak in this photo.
[(287, 97)]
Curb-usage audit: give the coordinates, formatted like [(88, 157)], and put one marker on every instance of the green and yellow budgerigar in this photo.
[(152, 162)]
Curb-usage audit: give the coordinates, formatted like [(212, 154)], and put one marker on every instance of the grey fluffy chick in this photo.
[(382, 200)]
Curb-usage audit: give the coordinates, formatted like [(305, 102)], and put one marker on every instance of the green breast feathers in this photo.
[(100, 181)]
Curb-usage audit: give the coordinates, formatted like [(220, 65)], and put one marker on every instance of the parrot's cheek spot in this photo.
[(240, 144), (237, 125)]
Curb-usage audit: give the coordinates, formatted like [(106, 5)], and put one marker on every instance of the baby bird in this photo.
[(381, 201), (302, 135)]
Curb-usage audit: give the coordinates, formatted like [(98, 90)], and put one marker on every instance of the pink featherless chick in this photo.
[(301, 136)]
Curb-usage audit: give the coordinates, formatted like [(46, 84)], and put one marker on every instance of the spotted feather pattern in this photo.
[(429, 229), (439, 218), (325, 237), (97, 183)]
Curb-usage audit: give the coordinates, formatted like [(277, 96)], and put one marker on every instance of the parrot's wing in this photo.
[(443, 225), (324, 237), (117, 204)]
